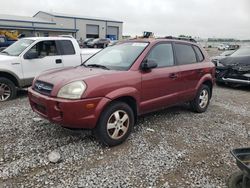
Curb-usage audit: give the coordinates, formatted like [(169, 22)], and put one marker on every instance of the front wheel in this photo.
[(115, 124), (202, 99), (8, 89)]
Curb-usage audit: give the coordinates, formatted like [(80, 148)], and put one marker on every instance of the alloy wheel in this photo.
[(118, 124), (5, 92)]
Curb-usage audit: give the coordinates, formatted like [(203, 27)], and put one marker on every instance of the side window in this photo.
[(162, 54), (67, 47), (185, 54), (45, 48), (199, 54)]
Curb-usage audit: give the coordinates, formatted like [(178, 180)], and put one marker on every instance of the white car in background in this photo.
[(21, 62), (223, 47)]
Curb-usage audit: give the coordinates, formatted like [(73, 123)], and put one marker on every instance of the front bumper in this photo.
[(83, 113), (226, 75)]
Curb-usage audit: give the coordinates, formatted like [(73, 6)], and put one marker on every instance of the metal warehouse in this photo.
[(52, 24)]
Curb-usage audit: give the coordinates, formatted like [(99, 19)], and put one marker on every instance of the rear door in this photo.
[(48, 58), (190, 61), (160, 85), (70, 56)]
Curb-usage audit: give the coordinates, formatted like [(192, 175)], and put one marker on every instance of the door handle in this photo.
[(173, 75), (58, 61)]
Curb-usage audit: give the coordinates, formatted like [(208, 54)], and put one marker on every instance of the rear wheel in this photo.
[(115, 124), (202, 99), (7, 89)]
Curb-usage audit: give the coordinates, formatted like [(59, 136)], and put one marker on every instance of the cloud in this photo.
[(207, 18)]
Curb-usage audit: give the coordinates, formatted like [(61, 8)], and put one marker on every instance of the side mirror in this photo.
[(148, 64), (31, 55)]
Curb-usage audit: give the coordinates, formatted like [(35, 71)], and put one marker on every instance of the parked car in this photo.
[(113, 42), (5, 42), (85, 42), (98, 43), (234, 69), (121, 82), (222, 55), (223, 47), (28, 57)]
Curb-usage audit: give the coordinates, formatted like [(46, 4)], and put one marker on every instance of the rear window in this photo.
[(67, 47), (199, 54), (185, 54)]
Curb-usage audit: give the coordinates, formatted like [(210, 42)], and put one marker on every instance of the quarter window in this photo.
[(185, 54), (199, 54), (162, 54)]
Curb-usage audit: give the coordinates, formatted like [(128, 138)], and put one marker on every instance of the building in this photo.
[(52, 24)]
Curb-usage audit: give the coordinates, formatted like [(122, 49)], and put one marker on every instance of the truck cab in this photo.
[(21, 62)]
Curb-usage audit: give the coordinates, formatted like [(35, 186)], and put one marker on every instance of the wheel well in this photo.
[(10, 77), (130, 101), (210, 85)]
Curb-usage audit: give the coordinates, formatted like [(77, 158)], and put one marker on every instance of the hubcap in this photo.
[(118, 124), (5, 92), (203, 98)]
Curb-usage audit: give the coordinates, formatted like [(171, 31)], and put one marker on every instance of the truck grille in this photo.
[(43, 87)]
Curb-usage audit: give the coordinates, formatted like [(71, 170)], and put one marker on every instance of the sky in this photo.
[(198, 18)]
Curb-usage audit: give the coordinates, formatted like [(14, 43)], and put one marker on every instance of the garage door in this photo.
[(92, 31), (113, 32)]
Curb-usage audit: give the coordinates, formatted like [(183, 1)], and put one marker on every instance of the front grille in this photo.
[(43, 87)]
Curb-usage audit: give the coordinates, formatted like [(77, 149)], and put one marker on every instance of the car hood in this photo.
[(7, 58), (241, 60), (64, 76)]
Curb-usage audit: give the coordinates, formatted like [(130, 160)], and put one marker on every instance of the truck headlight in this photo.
[(72, 90)]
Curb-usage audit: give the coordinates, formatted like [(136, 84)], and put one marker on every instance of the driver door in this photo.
[(47, 57)]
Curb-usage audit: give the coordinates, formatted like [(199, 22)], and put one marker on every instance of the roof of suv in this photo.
[(155, 40)]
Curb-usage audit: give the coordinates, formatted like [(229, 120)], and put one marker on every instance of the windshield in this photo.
[(18, 47), (118, 57), (242, 52)]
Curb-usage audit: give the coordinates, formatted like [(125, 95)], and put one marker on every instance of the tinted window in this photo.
[(67, 47), (45, 48), (162, 54), (199, 54), (185, 54)]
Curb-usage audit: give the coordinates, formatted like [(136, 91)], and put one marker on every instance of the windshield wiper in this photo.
[(4, 52), (97, 65)]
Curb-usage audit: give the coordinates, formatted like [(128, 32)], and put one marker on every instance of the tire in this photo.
[(236, 180), (202, 99), (8, 89), (115, 124)]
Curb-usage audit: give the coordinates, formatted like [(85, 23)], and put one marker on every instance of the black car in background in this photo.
[(98, 43), (234, 70)]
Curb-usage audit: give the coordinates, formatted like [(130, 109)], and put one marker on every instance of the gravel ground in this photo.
[(170, 148)]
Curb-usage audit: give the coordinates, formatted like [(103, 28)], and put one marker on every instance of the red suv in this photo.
[(121, 82)]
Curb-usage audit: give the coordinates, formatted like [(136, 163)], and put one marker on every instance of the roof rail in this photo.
[(181, 38)]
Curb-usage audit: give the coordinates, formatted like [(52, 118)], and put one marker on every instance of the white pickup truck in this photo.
[(28, 57)]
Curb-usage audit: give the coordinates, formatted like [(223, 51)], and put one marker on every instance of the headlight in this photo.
[(218, 64), (72, 90)]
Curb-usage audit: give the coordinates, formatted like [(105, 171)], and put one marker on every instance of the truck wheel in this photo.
[(7, 89), (115, 124), (202, 99)]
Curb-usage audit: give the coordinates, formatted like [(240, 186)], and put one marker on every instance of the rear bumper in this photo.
[(83, 113)]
